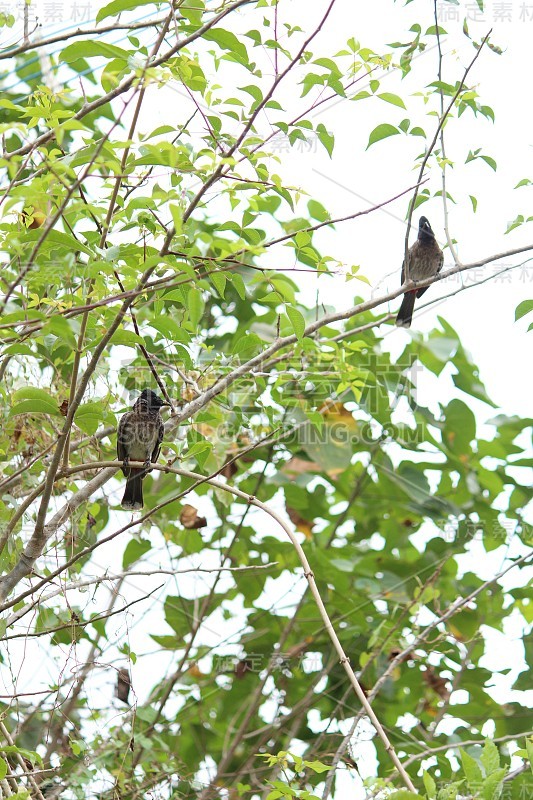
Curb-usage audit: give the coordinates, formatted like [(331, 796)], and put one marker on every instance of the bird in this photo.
[(139, 437), (123, 686), (425, 260)]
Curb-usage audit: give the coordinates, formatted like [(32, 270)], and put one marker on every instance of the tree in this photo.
[(298, 571)]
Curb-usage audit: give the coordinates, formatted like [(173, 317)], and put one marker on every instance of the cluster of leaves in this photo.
[(388, 493)]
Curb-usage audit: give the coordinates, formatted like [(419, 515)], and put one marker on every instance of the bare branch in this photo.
[(451, 245), (76, 585)]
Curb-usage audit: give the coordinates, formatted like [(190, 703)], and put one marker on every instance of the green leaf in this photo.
[(317, 211), (3, 769), (381, 132), (65, 240), (126, 338), (117, 6), (30, 755), (403, 794), (92, 48), (317, 766), (413, 482), (168, 327), (449, 792), (522, 309), (429, 784), (196, 306), (168, 642), (7, 20), (61, 328), (88, 417), (254, 91), (473, 773), (395, 99), (529, 748), (460, 427), (297, 321), (490, 161), (490, 757), (18, 350), (326, 138), (219, 281), (472, 156), (33, 401), (135, 549), (177, 217), (227, 40), (238, 284), (492, 785), (176, 614)]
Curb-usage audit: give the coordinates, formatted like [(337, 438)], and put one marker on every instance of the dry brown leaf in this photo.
[(189, 518), (187, 393), (302, 524), (336, 412), (242, 668), (300, 466), (229, 469), (435, 682)]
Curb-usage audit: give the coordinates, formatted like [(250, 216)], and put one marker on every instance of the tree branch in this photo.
[(127, 83), (344, 660)]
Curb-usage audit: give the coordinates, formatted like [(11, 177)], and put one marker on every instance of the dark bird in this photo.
[(140, 433), (425, 260), (123, 684)]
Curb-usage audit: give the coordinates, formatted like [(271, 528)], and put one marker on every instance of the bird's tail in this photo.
[(405, 314), (133, 495)]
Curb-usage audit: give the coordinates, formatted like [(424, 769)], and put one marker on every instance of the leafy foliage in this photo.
[(132, 252)]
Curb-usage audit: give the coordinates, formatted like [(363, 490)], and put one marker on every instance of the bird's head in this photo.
[(152, 400), (424, 228), (424, 225)]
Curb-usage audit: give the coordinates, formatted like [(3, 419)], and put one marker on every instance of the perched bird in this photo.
[(425, 260), (140, 433), (123, 686)]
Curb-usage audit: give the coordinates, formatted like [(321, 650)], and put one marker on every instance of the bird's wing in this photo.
[(157, 446), (411, 253), (122, 438)]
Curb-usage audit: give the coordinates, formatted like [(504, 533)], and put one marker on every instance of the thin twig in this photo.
[(449, 240), (442, 120), (37, 45)]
